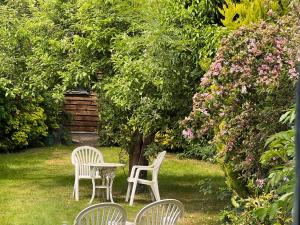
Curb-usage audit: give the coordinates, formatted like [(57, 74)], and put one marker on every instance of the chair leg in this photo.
[(97, 193), (133, 193), (156, 191), (152, 193), (107, 194), (128, 191), (76, 189), (103, 194)]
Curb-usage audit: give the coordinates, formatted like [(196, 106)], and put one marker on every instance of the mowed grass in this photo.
[(36, 188)]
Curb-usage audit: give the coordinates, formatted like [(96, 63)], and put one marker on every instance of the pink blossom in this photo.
[(274, 72), (205, 80), (269, 59), (260, 183), (235, 68), (219, 92), (207, 96), (204, 111), (216, 68), (291, 63), (293, 74), (188, 133), (280, 42), (270, 13), (265, 67), (261, 72), (253, 48), (247, 70)]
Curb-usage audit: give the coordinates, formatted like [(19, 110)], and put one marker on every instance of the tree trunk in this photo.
[(137, 150)]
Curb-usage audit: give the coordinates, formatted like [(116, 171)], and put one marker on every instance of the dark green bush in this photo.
[(21, 122), (30, 91)]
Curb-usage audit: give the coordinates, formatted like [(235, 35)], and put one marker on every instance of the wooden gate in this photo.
[(82, 107)]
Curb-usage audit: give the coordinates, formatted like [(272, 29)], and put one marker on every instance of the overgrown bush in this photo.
[(241, 97), (273, 199), (31, 88), (22, 122)]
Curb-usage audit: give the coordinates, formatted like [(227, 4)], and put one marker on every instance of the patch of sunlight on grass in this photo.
[(36, 187)]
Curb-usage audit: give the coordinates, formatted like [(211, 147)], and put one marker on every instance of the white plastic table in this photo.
[(108, 172)]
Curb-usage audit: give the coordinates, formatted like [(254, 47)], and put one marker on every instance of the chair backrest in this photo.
[(84, 155), (164, 212), (102, 214), (157, 164)]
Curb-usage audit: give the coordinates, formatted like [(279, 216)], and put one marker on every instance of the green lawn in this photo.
[(36, 188)]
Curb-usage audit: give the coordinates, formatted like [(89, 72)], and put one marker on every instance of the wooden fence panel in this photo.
[(83, 110)]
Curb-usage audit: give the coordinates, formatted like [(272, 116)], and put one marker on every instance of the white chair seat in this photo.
[(146, 182), (89, 177)]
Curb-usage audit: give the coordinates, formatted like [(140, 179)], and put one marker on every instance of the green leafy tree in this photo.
[(157, 63)]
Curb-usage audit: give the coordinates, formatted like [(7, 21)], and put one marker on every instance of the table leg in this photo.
[(110, 175), (107, 188), (93, 193), (110, 188)]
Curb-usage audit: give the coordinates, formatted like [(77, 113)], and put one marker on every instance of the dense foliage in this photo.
[(22, 95), (272, 202), (48, 47), (243, 95), (161, 46)]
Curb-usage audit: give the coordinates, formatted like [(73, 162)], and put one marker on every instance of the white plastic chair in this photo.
[(81, 157), (164, 212), (134, 179), (102, 214)]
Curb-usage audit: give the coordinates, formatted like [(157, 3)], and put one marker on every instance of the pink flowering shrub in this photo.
[(240, 99)]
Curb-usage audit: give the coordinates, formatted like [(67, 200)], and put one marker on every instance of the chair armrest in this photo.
[(135, 171)]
